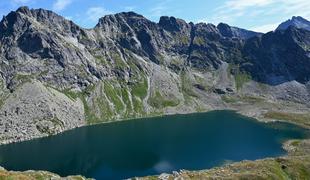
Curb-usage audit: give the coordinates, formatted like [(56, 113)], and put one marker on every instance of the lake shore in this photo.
[(263, 111), (290, 146), (295, 165)]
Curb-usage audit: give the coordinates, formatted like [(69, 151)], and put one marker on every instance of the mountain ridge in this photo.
[(128, 67), (296, 21)]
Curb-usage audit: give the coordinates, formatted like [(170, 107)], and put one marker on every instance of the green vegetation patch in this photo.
[(126, 100), (90, 117), (119, 63), (138, 106), (187, 86), (100, 59), (230, 99), (295, 142), (279, 168), (70, 94), (113, 96), (199, 41), (293, 117), (184, 39), (158, 101), (140, 88), (244, 99), (241, 79), (251, 99), (104, 107), (21, 79)]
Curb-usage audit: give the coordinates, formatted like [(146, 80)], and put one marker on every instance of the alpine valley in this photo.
[(56, 76)]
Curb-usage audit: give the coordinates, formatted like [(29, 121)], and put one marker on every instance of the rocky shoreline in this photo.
[(35, 175)]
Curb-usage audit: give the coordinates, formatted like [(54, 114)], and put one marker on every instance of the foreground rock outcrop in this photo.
[(55, 75), (35, 175)]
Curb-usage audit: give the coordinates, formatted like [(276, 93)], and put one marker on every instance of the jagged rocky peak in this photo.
[(24, 19), (296, 21), (280, 56), (172, 23), (24, 10), (207, 31), (234, 32), (123, 17)]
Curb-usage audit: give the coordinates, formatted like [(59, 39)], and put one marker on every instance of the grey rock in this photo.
[(296, 21)]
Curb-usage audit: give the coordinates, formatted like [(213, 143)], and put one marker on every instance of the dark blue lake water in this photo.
[(152, 146)]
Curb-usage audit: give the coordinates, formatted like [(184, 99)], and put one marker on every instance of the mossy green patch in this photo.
[(140, 88), (101, 60), (113, 95), (241, 79), (293, 117), (89, 115), (21, 79), (138, 106), (295, 142), (229, 99), (70, 94), (187, 86), (126, 100), (199, 41), (245, 99), (183, 39), (119, 63), (251, 99), (106, 112), (158, 101)]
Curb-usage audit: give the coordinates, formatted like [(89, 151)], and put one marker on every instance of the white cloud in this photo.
[(60, 5), (21, 1), (130, 8), (262, 12), (265, 28), (94, 13), (68, 17), (233, 9), (242, 4), (159, 9)]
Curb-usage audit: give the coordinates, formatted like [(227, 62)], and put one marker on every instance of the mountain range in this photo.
[(56, 75)]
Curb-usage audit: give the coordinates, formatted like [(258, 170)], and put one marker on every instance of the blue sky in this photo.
[(259, 15)]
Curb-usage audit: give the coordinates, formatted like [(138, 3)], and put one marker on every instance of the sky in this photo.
[(257, 15)]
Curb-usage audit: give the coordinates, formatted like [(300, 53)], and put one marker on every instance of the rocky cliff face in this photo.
[(296, 21), (56, 75)]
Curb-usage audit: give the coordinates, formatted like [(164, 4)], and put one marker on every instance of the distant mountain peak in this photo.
[(235, 32), (296, 21)]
